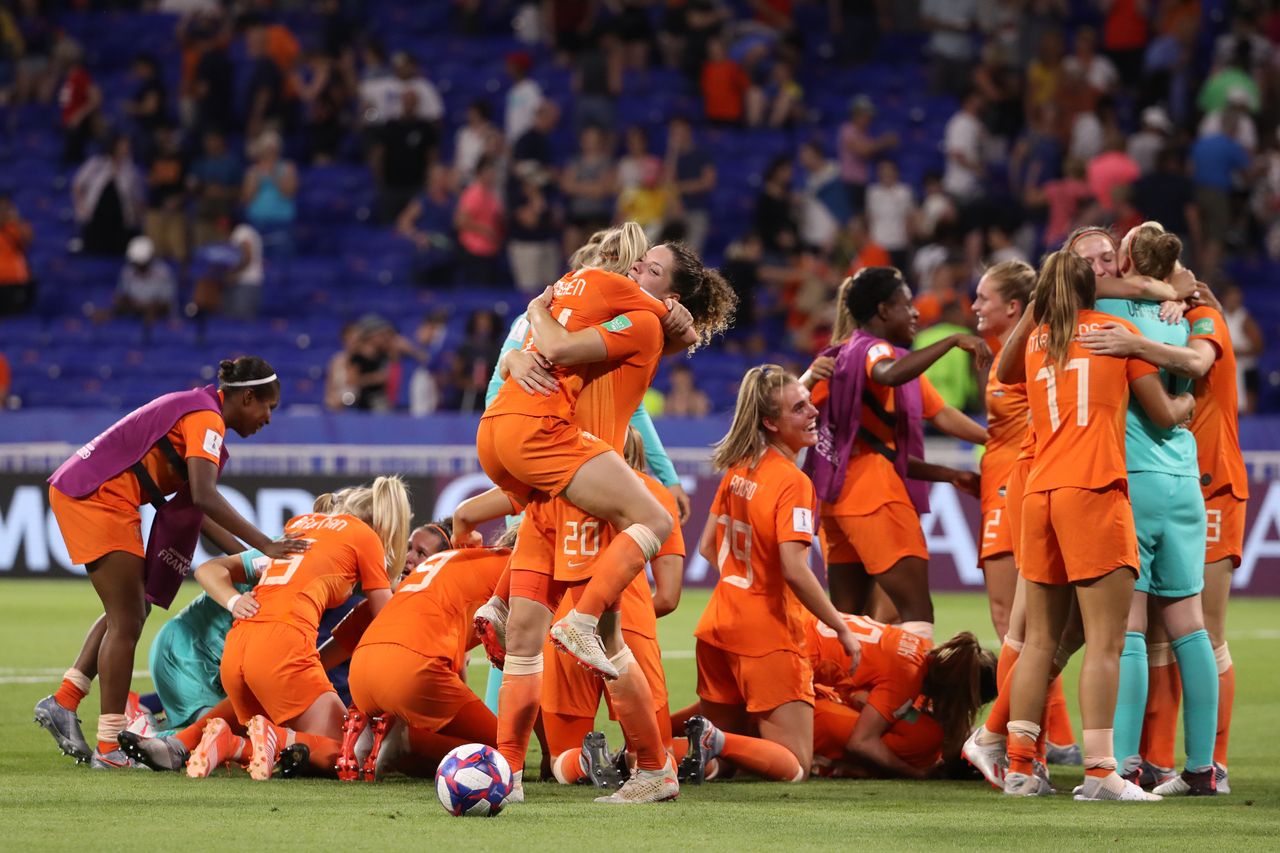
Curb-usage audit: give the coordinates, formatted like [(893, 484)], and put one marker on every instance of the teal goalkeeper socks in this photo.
[(1131, 700), (495, 682), (1199, 672)]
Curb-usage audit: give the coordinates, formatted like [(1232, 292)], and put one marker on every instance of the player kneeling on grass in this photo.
[(407, 674), (271, 668), (752, 670)]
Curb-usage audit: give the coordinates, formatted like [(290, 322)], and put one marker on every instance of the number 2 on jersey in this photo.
[(1049, 374)]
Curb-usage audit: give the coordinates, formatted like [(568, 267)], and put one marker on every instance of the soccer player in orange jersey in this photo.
[(271, 668), (872, 408), (1209, 359), (570, 695), (1078, 402), (411, 662), (753, 674), (905, 706), (530, 444)]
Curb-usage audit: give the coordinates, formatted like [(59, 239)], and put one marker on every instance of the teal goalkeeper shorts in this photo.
[(187, 681), (1168, 512)]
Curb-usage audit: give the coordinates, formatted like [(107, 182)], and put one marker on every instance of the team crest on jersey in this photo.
[(1203, 326), (619, 323)]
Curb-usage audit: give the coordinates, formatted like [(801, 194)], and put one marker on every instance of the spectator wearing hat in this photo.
[(16, 286), (1145, 145), (857, 149), (523, 97), (147, 288)]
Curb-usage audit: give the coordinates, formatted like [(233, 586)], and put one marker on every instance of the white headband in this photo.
[(249, 383)]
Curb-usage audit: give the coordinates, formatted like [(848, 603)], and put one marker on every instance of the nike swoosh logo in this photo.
[(576, 564)]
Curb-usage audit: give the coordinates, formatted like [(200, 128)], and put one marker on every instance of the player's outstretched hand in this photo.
[(1111, 339)]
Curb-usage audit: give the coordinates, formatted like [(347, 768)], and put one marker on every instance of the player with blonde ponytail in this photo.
[(271, 669)]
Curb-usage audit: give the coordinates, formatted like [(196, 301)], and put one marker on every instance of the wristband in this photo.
[(231, 603)]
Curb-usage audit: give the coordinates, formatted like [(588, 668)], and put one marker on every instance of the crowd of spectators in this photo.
[(1100, 111)]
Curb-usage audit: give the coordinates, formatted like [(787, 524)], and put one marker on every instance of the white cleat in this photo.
[(1023, 785), (1113, 788), (1220, 773), (988, 759), (646, 786), (517, 789), (584, 645)]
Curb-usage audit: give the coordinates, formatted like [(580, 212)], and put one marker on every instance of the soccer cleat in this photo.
[(266, 745), (1096, 789), (113, 760), (158, 753), (394, 745), (1221, 781), (517, 789), (1065, 755), (216, 745), (705, 743), (353, 726), (294, 760), (64, 725), (1153, 775), (989, 760), (491, 628), (646, 786), (138, 718), (598, 764), (1041, 771), (1026, 785), (585, 646), (1200, 783), (378, 729)]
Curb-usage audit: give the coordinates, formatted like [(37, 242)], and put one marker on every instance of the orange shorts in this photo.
[(877, 541), (1225, 540), (272, 669), (569, 690), (423, 691), (1014, 492), (93, 528), (759, 683), (1072, 535), (536, 540), (523, 454), (917, 743)]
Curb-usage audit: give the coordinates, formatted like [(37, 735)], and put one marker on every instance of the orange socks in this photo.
[(1226, 698), (1010, 650), (1164, 693), (190, 736), (998, 717), (324, 750), (503, 589), (518, 701), (1058, 719), (615, 569), (679, 718), (766, 759), (1023, 735), (633, 703), (75, 686)]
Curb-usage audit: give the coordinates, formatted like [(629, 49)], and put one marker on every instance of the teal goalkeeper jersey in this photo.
[(1147, 446), (207, 620)]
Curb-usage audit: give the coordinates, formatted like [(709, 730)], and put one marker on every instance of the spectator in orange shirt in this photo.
[(724, 86), (16, 288)]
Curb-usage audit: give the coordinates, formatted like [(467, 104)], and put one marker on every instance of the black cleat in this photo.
[(701, 735), (293, 761), (161, 754), (601, 769)]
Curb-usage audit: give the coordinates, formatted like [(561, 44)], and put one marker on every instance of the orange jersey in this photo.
[(580, 539), (613, 389), (1216, 421), (752, 610), (197, 435), (298, 589), (891, 670), (584, 299), (870, 480), (1006, 429), (432, 609), (1078, 410)]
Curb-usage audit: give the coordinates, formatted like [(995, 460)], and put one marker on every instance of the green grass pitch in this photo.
[(46, 802)]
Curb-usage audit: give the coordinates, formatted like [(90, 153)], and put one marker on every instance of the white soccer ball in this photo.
[(473, 780)]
